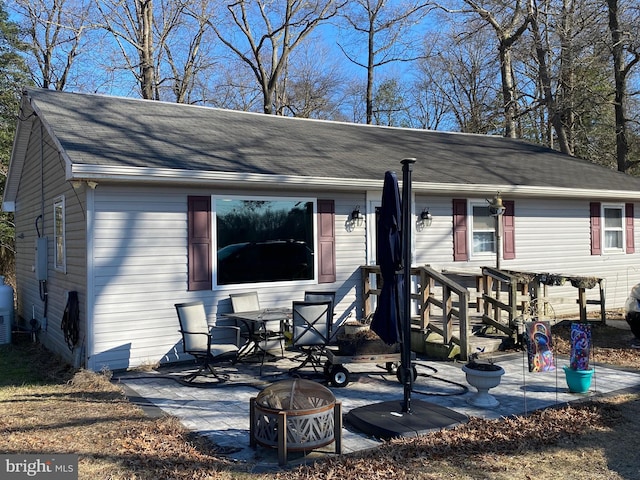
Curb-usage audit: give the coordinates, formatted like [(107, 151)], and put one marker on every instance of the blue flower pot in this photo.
[(579, 381)]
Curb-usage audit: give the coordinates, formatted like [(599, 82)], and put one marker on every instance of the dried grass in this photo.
[(86, 414)]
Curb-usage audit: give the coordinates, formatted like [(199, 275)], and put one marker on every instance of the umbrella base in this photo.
[(385, 420)]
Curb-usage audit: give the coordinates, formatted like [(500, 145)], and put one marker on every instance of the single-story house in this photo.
[(136, 205)]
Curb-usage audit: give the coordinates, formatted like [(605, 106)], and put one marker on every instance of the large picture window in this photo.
[(264, 240)]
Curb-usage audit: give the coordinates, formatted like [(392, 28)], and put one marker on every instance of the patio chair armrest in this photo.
[(206, 334)]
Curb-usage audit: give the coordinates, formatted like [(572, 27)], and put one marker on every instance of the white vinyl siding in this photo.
[(551, 235), (42, 181), (139, 264)]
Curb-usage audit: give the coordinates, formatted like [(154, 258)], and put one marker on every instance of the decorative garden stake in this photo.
[(578, 373)]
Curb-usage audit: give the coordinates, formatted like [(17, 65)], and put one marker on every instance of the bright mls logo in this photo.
[(51, 467)]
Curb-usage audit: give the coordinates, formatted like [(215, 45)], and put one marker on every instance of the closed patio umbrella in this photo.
[(392, 322), (387, 317)]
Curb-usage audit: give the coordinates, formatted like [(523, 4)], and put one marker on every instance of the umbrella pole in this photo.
[(405, 356)]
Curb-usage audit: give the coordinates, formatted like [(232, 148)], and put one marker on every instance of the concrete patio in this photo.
[(221, 412)]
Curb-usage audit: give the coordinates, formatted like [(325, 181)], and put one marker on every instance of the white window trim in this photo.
[(60, 265), (472, 252), (214, 245), (603, 233)]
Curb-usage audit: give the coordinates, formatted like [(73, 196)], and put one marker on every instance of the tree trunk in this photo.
[(622, 143), (370, 72), (147, 71), (555, 115), (508, 91)]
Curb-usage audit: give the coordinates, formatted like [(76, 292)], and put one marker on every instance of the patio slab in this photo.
[(221, 412)]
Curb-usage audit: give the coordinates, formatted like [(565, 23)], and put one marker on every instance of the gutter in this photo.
[(109, 174)]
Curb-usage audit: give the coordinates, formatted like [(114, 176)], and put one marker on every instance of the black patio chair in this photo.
[(324, 296), (311, 332)]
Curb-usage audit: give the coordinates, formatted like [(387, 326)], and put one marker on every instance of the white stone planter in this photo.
[(483, 380)]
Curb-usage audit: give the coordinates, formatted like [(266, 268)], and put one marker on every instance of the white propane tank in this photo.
[(6, 311)]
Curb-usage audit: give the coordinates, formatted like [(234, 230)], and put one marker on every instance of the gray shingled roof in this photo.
[(112, 131)]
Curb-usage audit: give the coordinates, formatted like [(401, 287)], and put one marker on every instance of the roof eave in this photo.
[(99, 173), (18, 156)]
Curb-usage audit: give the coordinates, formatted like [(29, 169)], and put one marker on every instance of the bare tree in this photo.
[(509, 20), (313, 85), (186, 45), (283, 26), (164, 44), (463, 72), (131, 24), (386, 26), (232, 86), (553, 107), (55, 29), (626, 54)]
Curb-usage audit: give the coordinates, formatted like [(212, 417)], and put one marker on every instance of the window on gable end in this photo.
[(59, 234)]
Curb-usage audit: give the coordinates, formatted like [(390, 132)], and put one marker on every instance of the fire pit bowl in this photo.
[(295, 415)]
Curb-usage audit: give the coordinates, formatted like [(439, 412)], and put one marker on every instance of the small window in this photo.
[(483, 230), (60, 256), (613, 227)]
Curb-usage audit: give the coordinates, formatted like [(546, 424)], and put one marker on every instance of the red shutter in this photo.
[(596, 236), (460, 251), (629, 219), (199, 243), (508, 231), (326, 242)]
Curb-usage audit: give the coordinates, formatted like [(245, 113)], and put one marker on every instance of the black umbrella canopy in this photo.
[(387, 317)]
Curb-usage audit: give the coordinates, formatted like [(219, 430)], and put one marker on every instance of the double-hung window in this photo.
[(613, 227), (483, 233)]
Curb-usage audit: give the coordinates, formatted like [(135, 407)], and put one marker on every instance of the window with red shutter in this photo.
[(596, 235), (326, 242), (460, 250), (508, 231), (629, 230), (199, 243)]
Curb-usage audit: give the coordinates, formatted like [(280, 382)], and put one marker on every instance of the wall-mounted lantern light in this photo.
[(424, 220), (357, 218)]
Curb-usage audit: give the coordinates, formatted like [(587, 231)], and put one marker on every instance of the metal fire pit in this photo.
[(295, 415)]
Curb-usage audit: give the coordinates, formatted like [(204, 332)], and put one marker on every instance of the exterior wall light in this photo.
[(357, 218), (425, 220)]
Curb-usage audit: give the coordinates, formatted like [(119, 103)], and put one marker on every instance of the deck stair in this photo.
[(460, 313), (444, 310)]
